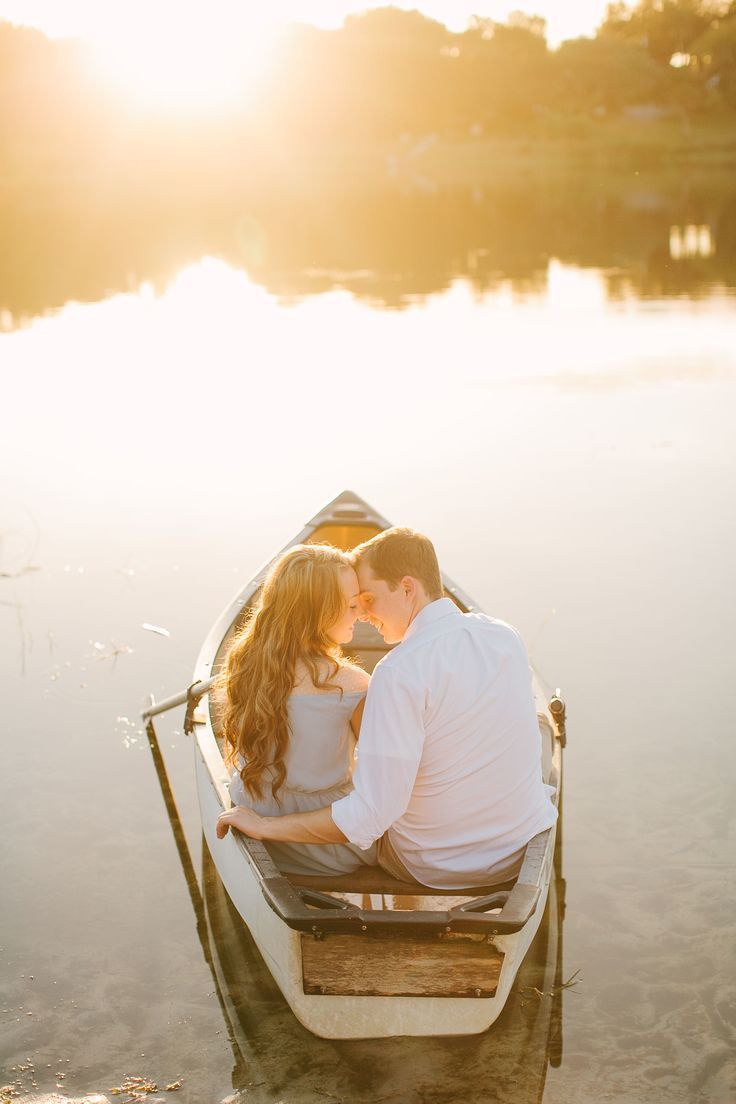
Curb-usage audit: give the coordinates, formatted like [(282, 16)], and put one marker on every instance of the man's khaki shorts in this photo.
[(389, 861)]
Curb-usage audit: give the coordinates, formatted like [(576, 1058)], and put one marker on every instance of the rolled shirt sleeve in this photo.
[(391, 742)]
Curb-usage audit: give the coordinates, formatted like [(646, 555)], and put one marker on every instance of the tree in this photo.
[(534, 24), (715, 52), (663, 27), (505, 70), (610, 73)]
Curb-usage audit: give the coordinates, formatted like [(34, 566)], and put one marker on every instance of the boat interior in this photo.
[(371, 887)]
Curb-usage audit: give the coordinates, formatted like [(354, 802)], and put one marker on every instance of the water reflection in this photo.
[(214, 330), (274, 1055), (691, 241), (387, 245)]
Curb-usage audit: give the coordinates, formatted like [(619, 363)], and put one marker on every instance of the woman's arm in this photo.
[(354, 678)]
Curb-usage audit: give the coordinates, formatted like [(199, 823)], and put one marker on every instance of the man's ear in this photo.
[(409, 586)]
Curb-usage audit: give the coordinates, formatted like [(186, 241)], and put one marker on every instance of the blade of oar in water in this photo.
[(190, 876)]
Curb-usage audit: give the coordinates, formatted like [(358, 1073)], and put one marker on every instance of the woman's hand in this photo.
[(244, 819)]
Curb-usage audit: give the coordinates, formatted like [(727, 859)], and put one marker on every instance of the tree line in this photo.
[(392, 71), (384, 76)]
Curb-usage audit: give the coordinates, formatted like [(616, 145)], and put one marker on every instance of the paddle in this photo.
[(190, 877)]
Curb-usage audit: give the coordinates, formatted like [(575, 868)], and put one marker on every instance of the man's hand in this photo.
[(245, 820), (315, 827)]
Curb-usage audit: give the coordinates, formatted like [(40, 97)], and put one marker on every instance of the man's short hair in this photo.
[(400, 551)]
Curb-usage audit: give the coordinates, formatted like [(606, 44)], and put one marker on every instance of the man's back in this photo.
[(450, 751)]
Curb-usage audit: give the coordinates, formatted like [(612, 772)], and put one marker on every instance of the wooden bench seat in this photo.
[(372, 879)]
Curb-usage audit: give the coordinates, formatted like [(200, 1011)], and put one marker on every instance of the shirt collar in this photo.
[(435, 611)]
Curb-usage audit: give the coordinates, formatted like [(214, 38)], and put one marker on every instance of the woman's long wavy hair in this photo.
[(300, 600)]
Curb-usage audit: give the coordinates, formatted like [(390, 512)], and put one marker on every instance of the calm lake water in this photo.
[(544, 383)]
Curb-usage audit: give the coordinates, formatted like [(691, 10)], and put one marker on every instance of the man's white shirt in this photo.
[(449, 757)]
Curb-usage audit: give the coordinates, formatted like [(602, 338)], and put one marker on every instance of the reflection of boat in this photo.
[(363, 955), (273, 1055)]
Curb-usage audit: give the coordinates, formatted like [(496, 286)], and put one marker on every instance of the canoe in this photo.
[(365, 955), (261, 1029)]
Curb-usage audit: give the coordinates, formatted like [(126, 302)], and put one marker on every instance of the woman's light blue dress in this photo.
[(318, 768)]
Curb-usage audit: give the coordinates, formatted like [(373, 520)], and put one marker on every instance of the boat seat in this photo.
[(372, 879)]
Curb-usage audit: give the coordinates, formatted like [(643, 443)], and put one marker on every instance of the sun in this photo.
[(184, 64)]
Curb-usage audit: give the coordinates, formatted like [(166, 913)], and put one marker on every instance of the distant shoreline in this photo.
[(605, 148), (574, 144)]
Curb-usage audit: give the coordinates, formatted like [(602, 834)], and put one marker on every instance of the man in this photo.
[(449, 765)]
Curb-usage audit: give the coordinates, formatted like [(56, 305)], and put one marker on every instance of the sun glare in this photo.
[(189, 66), (203, 58)]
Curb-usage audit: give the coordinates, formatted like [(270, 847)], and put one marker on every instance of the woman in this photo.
[(293, 703)]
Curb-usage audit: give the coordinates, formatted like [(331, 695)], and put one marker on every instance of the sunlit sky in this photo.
[(202, 57), (103, 21)]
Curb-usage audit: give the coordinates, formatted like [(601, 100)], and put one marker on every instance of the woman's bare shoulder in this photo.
[(352, 678)]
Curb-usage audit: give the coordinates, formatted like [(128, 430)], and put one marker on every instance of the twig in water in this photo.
[(26, 640), (30, 550), (113, 652), (571, 982)]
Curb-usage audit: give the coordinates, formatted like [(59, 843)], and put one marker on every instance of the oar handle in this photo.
[(196, 690)]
